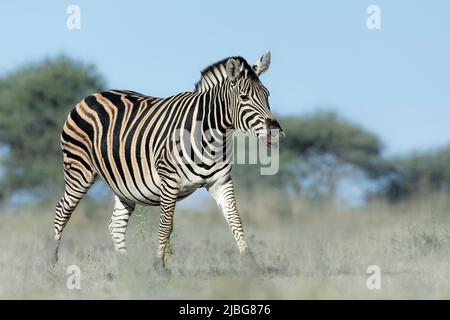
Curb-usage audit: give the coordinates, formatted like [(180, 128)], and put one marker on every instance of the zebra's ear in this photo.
[(233, 69), (262, 64)]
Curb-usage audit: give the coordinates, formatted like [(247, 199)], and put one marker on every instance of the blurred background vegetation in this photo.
[(338, 204), (34, 102), (321, 155)]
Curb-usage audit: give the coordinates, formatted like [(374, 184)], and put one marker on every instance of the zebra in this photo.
[(128, 140)]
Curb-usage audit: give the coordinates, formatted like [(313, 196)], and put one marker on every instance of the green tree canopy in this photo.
[(319, 150), (326, 133), (419, 173), (34, 102)]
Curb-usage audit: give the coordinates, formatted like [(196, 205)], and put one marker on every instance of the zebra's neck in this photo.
[(218, 104)]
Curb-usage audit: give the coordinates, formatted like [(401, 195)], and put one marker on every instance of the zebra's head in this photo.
[(249, 109)]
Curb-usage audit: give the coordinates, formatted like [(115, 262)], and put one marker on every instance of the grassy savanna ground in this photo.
[(307, 252)]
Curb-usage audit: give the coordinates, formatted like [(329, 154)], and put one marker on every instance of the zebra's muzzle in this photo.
[(272, 134)]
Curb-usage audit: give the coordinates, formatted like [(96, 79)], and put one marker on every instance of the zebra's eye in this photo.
[(243, 97)]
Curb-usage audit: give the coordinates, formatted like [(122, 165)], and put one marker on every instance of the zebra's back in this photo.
[(117, 135)]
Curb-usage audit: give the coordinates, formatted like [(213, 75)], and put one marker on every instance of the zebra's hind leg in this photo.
[(118, 223), (78, 179)]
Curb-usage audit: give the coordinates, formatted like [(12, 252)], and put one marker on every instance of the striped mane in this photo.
[(216, 73)]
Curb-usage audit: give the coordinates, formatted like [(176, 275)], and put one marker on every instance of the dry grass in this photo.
[(307, 253)]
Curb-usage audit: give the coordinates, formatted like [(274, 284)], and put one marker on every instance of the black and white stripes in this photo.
[(154, 151)]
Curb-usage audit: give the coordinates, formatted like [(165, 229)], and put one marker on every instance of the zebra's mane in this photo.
[(220, 66)]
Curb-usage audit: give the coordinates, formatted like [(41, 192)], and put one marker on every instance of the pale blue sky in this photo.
[(395, 81)]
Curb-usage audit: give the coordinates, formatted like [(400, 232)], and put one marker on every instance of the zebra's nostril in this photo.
[(276, 125), (273, 124), (274, 128)]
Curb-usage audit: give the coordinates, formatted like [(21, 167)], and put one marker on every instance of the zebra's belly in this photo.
[(142, 197), (154, 200), (151, 196), (135, 189), (145, 190)]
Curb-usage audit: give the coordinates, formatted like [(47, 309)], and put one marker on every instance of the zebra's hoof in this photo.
[(161, 269), (123, 262), (52, 261), (54, 258), (248, 263)]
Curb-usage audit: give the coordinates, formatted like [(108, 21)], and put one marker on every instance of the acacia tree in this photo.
[(325, 148), (34, 102), (418, 173), (319, 150)]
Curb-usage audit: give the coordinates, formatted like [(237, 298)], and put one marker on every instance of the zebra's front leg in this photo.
[(223, 194), (118, 224), (168, 200)]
